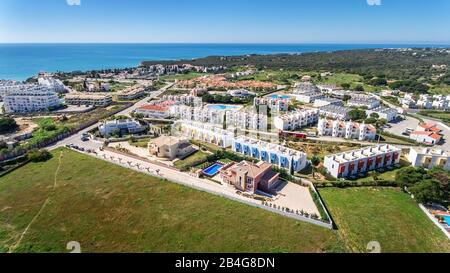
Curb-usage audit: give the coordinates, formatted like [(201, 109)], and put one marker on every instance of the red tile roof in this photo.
[(154, 108)]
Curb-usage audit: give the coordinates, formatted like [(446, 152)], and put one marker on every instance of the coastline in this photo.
[(21, 61)]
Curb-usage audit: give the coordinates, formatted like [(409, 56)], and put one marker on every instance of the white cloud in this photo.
[(374, 2), (73, 2)]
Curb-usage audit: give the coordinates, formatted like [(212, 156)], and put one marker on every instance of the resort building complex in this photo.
[(296, 120), (200, 114), (278, 155), (30, 98), (100, 100), (361, 161), (348, 130), (250, 177), (429, 158)]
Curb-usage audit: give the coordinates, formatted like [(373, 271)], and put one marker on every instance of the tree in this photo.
[(345, 86), (429, 191), (7, 125), (357, 114), (410, 176), (315, 161), (39, 155), (374, 115)]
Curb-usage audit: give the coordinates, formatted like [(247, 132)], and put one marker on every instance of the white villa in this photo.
[(275, 154), (363, 160), (131, 126), (296, 120), (429, 158), (184, 99), (348, 130), (388, 114), (309, 97)]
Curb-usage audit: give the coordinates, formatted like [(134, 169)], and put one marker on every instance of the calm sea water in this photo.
[(21, 61)]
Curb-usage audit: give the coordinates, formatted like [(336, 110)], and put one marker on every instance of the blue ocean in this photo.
[(21, 61)]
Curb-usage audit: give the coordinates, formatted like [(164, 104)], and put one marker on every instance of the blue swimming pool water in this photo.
[(447, 220), (279, 97), (222, 107), (213, 170)]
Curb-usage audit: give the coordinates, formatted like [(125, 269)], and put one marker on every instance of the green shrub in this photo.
[(39, 155)]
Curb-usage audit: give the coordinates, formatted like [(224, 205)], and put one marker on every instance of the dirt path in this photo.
[(52, 191)]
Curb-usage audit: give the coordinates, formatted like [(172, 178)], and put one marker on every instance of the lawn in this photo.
[(192, 160), (386, 215), (112, 209), (353, 79), (140, 143)]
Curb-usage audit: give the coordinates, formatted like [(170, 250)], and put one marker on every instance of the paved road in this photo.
[(76, 139)]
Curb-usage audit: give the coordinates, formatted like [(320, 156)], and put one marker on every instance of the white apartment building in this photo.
[(424, 103), (309, 97), (53, 84), (274, 104), (296, 120), (278, 155), (246, 120), (388, 114), (131, 126), (327, 101), (184, 99), (200, 114), (429, 158), (30, 98), (328, 88), (131, 93), (98, 100), (348, 130), (7, 86), (355, 162), (334, 112), (441, 104), (206, 132)]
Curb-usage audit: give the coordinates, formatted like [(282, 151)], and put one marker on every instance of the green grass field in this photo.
[(108, 208), (388, 216), (191, 160), (124, 211)]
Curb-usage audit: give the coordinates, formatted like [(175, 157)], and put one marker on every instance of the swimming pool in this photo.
[(447, 220), (223, 107), (284, 97), (213, 169)]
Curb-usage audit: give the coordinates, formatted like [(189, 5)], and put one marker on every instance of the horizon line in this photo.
[(239, 43)]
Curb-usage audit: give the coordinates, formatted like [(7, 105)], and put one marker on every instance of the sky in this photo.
[(225, 21)]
